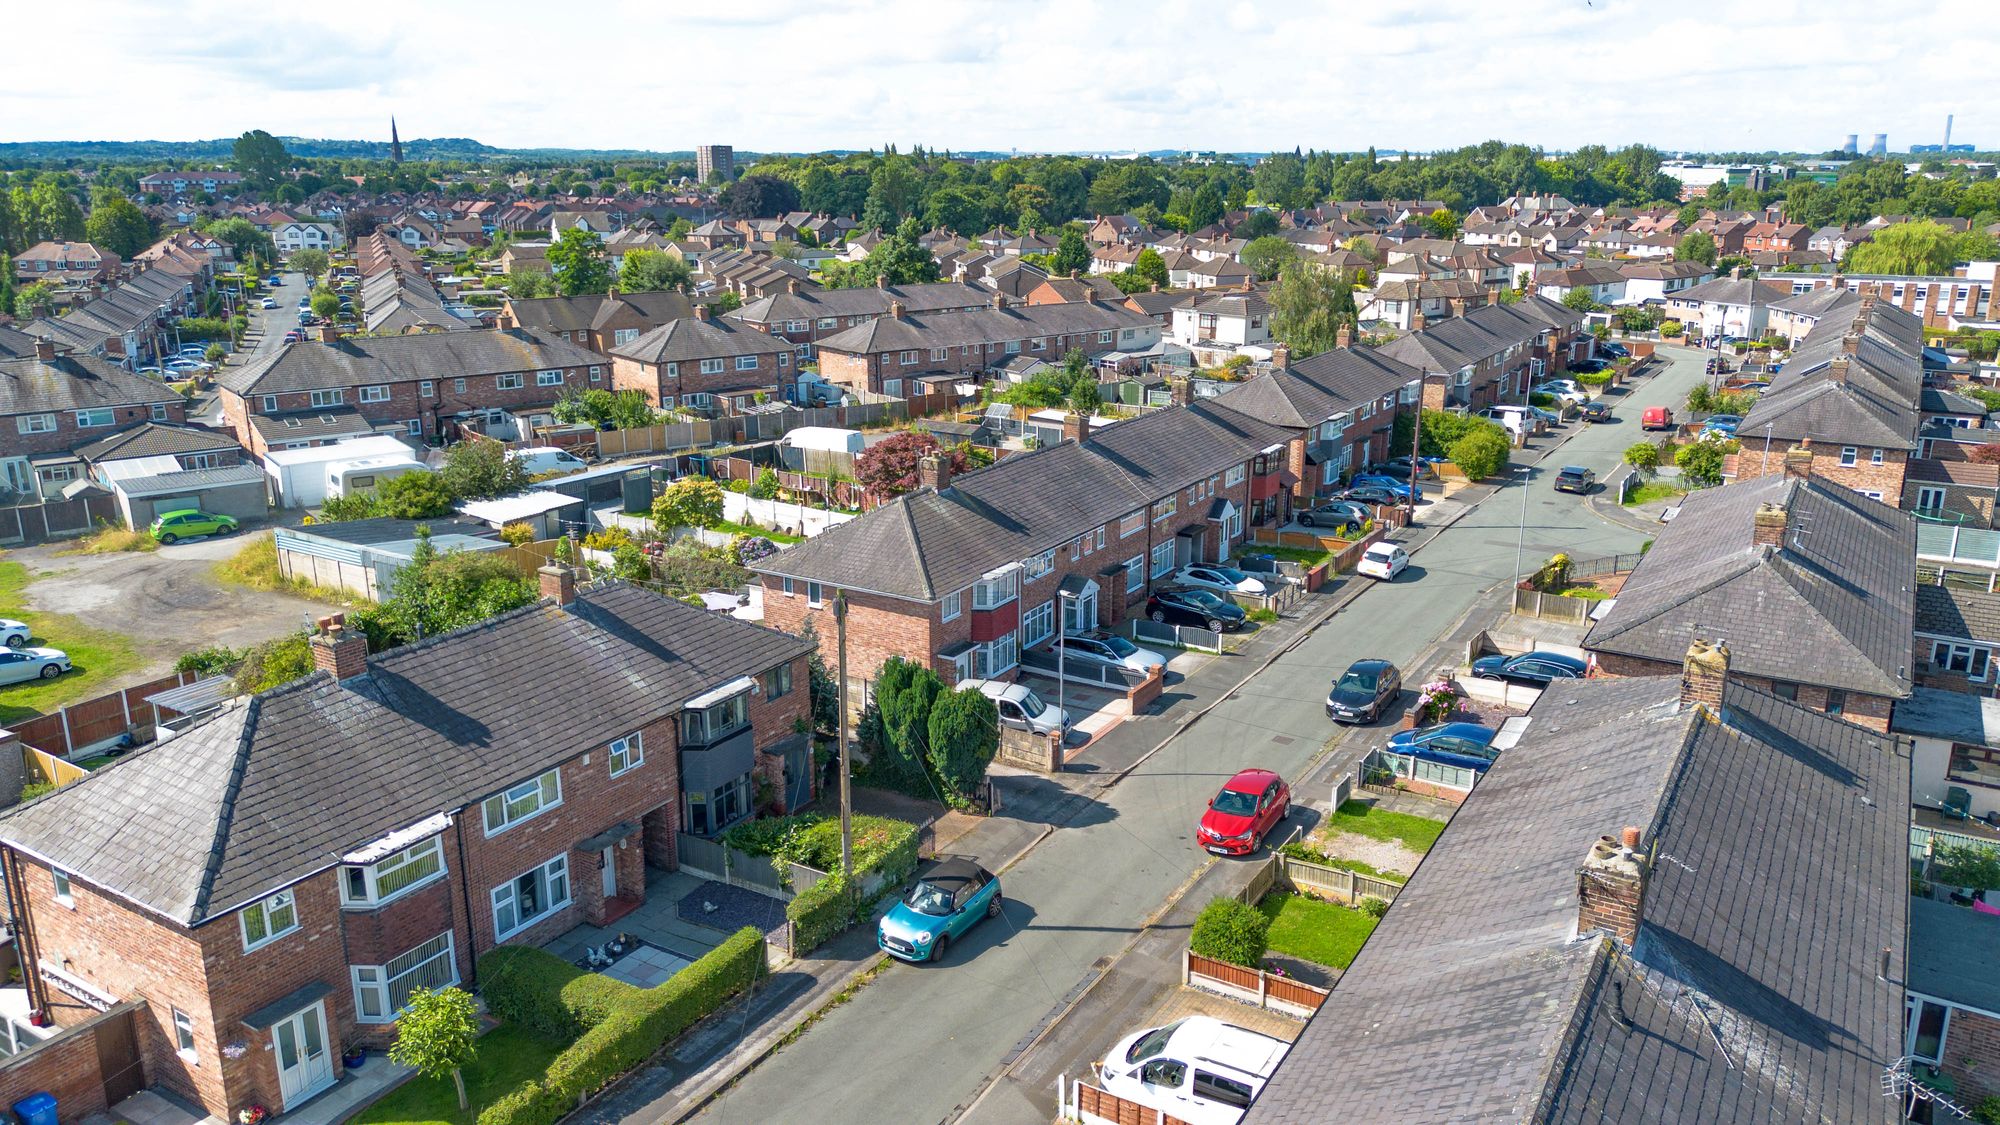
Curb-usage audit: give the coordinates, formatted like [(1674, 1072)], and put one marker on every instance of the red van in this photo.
[(1657, 418)]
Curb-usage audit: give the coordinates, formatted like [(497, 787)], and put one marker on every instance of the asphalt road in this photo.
[(920, 1041)]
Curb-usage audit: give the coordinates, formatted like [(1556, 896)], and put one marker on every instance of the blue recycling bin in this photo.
[(37, 1109)]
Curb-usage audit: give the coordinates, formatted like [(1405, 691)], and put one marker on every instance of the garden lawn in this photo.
[(1586, 593), (508, 1057), (1416, 833), (1299, 555), (1324, 933), (778, 537), (96, 654), (1646, 493)]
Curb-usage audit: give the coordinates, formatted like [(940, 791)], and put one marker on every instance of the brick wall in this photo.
[(1871, 711), (1863, 475), (67, 435), (654, 380), (66, 1066), (406, 400), (877, 627), (1975, 1038)]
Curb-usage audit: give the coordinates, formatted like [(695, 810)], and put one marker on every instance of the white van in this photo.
[(1518, 420), (1020, 707), (547, 459), (1198, 1069)]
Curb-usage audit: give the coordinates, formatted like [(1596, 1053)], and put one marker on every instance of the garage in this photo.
[(236, 490)]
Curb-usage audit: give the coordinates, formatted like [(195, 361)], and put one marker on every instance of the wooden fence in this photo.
[(44, 768), (80, 726), (29, 524), (662, 438), (1086, 1103), (1252, 986), (1552, 607), (1336, 883)]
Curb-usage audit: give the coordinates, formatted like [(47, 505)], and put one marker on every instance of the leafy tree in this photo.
[(1510, 296), (1281, 181), (325, 303), (6, 280), (117, 225), (1230, 930), (1205, 207), (577, 263), (898, 257), (895, 193), (1909, 248), (724, 303), (964, 730), (1579, 298), (1308, 306), (529, 285), (312, 263), (1643, 456), (47, 211), (1696, 246), (889, 467), (1700, 462), (759, 197), (1443, 223), (1124, 186), (1257, 225), (1071, 254), (244, 240), (261, 158), (437, 1033), (35, 299), (1151, 269), (413, 496), (215, 354), (481, 470), (1482, 452), (688, 502), (765, 485), (437, 592), (651, 271), (620, 410), (821, 690), (1266, 256)]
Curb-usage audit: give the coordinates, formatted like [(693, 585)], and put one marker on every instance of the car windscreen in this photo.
[(928, 898), (1117, 644), (1231, 803), (1231, 573), (1202, 598), (1032, 705), (1153, 1042), (1358, 682)]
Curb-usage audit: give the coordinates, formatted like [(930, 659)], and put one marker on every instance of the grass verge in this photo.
[(1299, 555), (96, 654), (1647, 493), (1324, 933), (508, 1057), (1416, 833), (778, 537), (255, 567), (111, 540)]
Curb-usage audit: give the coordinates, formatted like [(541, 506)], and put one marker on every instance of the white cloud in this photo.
[(1032, 74)]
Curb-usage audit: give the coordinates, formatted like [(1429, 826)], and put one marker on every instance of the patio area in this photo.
[(669, 941)]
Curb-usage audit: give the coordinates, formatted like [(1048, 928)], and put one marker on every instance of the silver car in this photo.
[(13, 633), (1108, 649), (20, 664), (1020, 707)]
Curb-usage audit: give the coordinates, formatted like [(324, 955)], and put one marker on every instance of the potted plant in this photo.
[(353, 1055)]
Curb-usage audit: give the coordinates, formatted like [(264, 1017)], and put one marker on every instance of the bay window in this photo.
[(372, 884), (382, 991), (710, 725), (996, 590)]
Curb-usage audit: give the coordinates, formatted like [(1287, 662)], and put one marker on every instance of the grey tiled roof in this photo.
[(281, 786), (361, 360), (1480, 334), (582, 313), (191, 479), (15, 344), (151, 439), (1317, 388), (811, 304), (1948, 611), (1878, 402), (982, 326), (693, 338), (1779, 844), (1826, 300), (1833, 606), (1951, 954), (71, 382)]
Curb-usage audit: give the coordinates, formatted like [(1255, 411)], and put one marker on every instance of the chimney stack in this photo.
[(1182, 389), (1075, 275), (45, 350), (1703, 670), (328, 333), (1076, 427), (1344, 338), (1849, 344), (1611, 887), (1736, 273), (1417, 316), (1799, 460), (792, 285), (895, 310), (934, 472), (558, 583), (338, 651), (1281, 357), (999, 300), (1768, 526), (1836, 370), (881, 281), (701, 311)]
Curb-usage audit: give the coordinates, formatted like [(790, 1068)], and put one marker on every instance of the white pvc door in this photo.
[(305, 1065), (610, 859)]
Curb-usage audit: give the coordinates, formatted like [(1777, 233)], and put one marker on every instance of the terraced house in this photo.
[(596, 321), (693, 360), (421, 385), (235, 903), (881, 354), (52, 403), (805, 314), (1491, 354)]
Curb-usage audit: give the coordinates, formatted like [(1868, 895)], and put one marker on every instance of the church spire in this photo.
[(395, 144)]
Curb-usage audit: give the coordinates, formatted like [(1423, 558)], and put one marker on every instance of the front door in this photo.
[(305, 1065), (609, 858)]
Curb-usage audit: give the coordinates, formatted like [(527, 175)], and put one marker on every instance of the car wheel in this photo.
[(169, 537), (1305, 519), (943, 943), (1215, 626), (51, 671), (1158, 615), (993, 907), (1489, 676), (16, 641)]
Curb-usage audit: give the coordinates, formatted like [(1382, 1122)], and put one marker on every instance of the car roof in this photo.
[(1574, 469), (1252, 780), (954, 871), (181, 512), (1369, 665), (1383, 546), (1459, 728), (1553, 658)]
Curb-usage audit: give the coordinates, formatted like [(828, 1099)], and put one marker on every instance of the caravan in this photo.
[(345, 478)]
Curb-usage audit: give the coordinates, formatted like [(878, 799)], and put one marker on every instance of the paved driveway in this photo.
[(918, 1043)]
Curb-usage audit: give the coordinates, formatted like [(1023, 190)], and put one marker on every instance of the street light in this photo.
[(1064, 599), (1521, 532)]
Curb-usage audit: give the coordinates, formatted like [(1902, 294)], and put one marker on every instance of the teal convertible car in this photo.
[(949, 900)]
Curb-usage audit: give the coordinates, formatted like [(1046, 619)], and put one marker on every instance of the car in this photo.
[(1373, 494), (1399, 467), (13, 633), (1383, 560), (274, 279), (1561, 389), (305, 302), (1107, 649), (946, 901), (1757, 385), (1019, 706), (1243, 811), (1197, 1070), (1577, 479), (1547, 416), (1364, 691), (268, 303), (1514, 419), (1656, 418), (188, 523), (1534, 669), (1588, 366), (1399, 488), (1619, 351), (1454, 744), (293, 337), (1225, 579), (21, 664), (193, 351), (1722, 424), (547, 459), (1596, 410), (151, 372), (188, 367), (1196, 607), (1334, 513)]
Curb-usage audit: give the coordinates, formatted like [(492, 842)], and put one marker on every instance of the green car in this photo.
[(189, 523)]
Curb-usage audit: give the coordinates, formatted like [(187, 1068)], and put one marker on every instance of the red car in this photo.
[(1248, 806)]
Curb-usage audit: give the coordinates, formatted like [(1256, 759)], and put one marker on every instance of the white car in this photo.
[(188, 367), (1222, 579), (1108, 649), (547, 459), (1198, 1070), (268, 303), (1383, 560), (20, 664), (13, 633), (1020, 707), (1563, 390)]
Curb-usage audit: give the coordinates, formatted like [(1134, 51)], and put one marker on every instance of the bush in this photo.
[(765, 487), (964, 732), (211, 661), (1594, 378), (1227, 930), (1700, 462), (1643, 456), (546, 994), (517, 534), (819, 913), (1671, 328), (1374, 905), (1481, 453), (610, 539)]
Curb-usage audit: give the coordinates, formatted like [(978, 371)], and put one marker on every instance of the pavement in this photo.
[(1109, 842), (265, 335)]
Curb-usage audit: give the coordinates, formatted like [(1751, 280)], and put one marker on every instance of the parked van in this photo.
[(1020, 707), (1198, 1070), (547, 459), (1657, 418), (1518, 420)]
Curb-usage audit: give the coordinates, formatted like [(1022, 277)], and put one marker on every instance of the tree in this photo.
[(1700, 462), (1308, 306), (1696, 246), (215, 354), (6, 281), (325, 303), (529, 285), (1267, 255), (964, 733), (619, 410), (759, 197), (577, 264), (1579, 298), (1257, 225), (765, 485), (652, 271), (312, 263), (481, 470), (889, 467), (1230, 930), (117, 225), (1643, 456), (1071, 254), (261, 158), (413, 496), (897, 257), (1150, 268), (35, 299), (243, 239), (1907, 248), (1482, 452), (688, 502), (1443, 223), (437, 1033), (1205, 207)]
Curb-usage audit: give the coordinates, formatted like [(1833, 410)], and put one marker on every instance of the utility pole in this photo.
[(1521, 533), (846, 799), (1416, 448)]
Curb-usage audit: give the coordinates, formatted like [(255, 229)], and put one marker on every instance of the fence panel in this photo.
[(1186, 636), (707, 858), (1609, 564), (1552, 607)]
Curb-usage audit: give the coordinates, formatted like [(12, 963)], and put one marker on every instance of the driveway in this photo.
[(913, 1045)]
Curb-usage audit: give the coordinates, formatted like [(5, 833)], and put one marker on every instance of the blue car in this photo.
[(1723, 424), (946, 902), (1400, 488), (1453, 744), (1534, 669)]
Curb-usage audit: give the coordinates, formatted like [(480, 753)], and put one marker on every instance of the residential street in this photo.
[(905, 1046), (266, 335)]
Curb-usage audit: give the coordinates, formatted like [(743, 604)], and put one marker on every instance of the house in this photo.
[(127, 324), (1777, 237), (66, 264), (1808, 582), (53, 403), (174, 185), (689, 361), (1492, 352), (1725, 306), (804, 314), (1957, 635), (1793, 317), (1061, 290), (964, 572), (1955, 744), (1217, 324), (596, 321), (1604, 282), (880, 354), (1407, 304), (1655, 281), (599, 223), (751, 274), (1340, 407), (1955, 996), (1214, 273), (296, 235), (524, 257), (274, 882), (1940, 301), (1633, 918), (422, 385)]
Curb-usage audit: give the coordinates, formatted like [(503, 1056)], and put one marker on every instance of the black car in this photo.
[(1364, 691), (1535, 669), (1596, 410), (1335, 513), (1619, 350), (1589, 366), (1372, 494), (1399, 468), (1577, 479), (1199, 609)]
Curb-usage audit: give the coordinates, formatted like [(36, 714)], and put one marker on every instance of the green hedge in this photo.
[(621, 1026), (1228, 930), (819, 912)]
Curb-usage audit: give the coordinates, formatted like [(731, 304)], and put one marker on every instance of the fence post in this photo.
[(1187, 966), (1263, 989)]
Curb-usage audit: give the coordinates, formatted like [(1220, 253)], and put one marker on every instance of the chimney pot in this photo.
[(1629, 838), (1799, 461), (934, 472), (558, 583), (701, 312), (1703, 671), (895, 310), (45, 350), (338, 652)]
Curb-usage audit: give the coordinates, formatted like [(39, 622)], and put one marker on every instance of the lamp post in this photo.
[(1521, 532), (1064, 599)]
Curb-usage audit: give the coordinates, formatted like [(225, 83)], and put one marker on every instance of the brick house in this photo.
[(1954, 996), (421, 385), (51, 403), (1769, 237), (273, 883), (127, 323), (879, 355), (963, 572), (1807, 581), (599, 322), (65, 263), (1940, 301), (805, 314), (1491, 354), (687, 362)]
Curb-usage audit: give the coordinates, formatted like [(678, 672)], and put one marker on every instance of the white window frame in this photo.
[(815, 594), (265, 909), (1163, 559), (626, 753), (550, 871), (711, 366), (1944, 653), (377, 393), (336, 396), (1135, 573), (184, 1045), (746, 363), (787, 583), (85, 418), (370, 893), (1930, 499), (509, 381), (65, 894), (1166, 509), (35, 423), (380, 984), (953, 605), (458, 386), (1039, 566), (1849, 456), (992, 593), (427, 389), (1875, 456), (548, 378), (1038, 624), (910, 358), (538, 786)]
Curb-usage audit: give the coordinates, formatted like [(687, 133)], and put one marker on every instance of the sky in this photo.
[(1033, 75)]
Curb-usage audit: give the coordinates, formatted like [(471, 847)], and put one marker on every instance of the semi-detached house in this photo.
[(880, 355), (691, 361), (272, 884), (1492, 354), (805, 314), (52, 403)]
